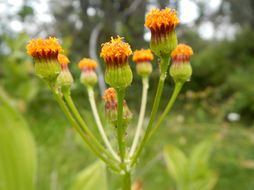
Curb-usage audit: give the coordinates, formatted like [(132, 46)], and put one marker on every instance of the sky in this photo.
[(188, 12)]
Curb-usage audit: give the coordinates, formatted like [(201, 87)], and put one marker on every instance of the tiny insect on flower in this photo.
[(88, 75), (181, 69), (143, 59), (162, 24), (45, 53), (115, 54)]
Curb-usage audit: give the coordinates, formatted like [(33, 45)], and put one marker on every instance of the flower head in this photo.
[(109, 95), (63, 59), (44, 48), (87, 64), (116, 51), (182, 53), (142, 56), (160, 20), (180, 68)]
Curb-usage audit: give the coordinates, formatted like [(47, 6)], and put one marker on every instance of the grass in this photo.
[(62, 154)]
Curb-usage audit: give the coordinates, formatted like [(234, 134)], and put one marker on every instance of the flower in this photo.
[(87, 64), (88, 75), (110, 98), (115, 54), (45, 53), (44, 48), (180, 69), (64, 79), (143, 59), (182, 53), (116, 51), (162, 24), (142, 56)]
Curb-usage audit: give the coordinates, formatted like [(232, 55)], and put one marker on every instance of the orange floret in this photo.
[(142, 56), (182, 50), (87, 63), (164, 19), (115, 51), (62, 59), (109, 95), (44, 48)]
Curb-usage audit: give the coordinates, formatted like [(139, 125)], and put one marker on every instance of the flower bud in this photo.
[(180, 69), (110, 98), (115, 54), (44, 53), (88, 75), (64, 79), (143, 59), (162, 24)]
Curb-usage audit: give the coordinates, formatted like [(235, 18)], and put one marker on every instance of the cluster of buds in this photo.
[(115, 54), (88, 75), (162, 24), (64, 79), (180, 69), (143, 59), (45, 55), (110, 99)]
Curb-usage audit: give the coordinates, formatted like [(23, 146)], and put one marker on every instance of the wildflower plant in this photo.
[(52, 67)]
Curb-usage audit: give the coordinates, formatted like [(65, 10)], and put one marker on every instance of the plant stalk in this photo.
[(99, 124), (126, 181)]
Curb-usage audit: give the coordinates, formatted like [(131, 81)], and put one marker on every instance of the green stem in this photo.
[(99, 124), (141, 115), (126, 181), (78, 117), (177, 89), (82, 133), (164, 66), (120, 127)]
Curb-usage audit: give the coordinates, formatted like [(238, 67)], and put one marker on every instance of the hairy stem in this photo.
[(177, 89), (78, 117), (164, 66), (81, 132), (141, 116), (99, 124), (120, 127)]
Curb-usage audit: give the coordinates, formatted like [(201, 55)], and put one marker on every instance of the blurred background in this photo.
[(217, 104)]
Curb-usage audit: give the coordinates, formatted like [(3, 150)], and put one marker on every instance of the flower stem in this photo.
[(126, 181), (120, 127), (81, 132), (141, 115), (78, 117), (99, 124), (164, 66), (177, 89)]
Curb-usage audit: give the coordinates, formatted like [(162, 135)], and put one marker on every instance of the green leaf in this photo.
[(18, 153), (94, 177), (176, 163)]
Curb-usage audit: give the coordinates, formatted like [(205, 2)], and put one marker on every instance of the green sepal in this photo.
[(64, 80), (164, 45), (47, 69), (118, 76), (144, 69), (88, 78), (180, 71)]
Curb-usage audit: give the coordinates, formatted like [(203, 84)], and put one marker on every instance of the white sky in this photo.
[(187, 9)]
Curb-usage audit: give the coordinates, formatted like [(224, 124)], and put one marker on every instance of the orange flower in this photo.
[(116, 51), (142, 56), (87, 64), (182, 53), (161, 20), (62, 59), (44, 48), (109, 95)]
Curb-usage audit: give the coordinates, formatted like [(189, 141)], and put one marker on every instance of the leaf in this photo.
[(18, 153), (176, 163), (93, 177)]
